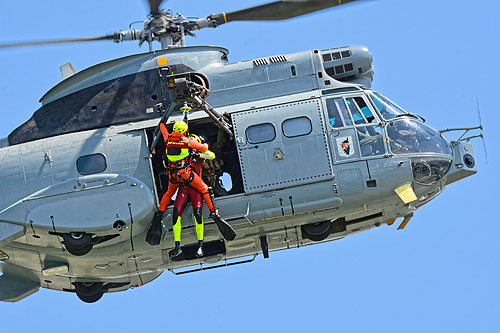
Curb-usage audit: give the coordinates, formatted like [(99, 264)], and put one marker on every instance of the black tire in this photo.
[(317, 231), (90, 299), (88, 288), (80, 252), (77, 240)]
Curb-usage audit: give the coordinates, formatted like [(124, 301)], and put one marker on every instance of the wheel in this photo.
[(92, 298), (88, 288), (77, 240), (78, 243), (317, 231), (80, 252)]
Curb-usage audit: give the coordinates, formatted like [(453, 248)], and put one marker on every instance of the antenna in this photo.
[(481, 135)]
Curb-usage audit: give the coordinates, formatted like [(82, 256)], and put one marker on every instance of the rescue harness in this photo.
[(179, 156)]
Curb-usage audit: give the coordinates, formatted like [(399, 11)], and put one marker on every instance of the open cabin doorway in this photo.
[(223, 173)]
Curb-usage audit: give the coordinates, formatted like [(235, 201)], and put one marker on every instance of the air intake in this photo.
[(349, 64), (279, 58), (261, 62)]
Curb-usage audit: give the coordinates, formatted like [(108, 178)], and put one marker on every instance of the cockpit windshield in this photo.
[(410, 136), (387, 109)]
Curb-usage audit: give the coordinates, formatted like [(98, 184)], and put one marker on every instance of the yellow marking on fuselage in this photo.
[(162, 61)]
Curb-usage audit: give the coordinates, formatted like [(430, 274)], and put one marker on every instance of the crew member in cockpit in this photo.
[(180, 170)]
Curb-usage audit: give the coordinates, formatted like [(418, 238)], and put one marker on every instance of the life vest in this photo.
[(176, 149)]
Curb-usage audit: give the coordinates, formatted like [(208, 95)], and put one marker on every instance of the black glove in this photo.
[(155, 230)]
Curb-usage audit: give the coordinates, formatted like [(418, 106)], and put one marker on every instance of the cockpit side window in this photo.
[(356, 113), (360, 111), (333, 112), (365, 110), (337, 111), (371, 140)]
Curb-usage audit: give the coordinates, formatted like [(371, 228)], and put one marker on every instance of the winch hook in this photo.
[(185, 111)]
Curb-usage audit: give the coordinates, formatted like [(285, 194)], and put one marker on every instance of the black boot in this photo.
[(155, 230), (175, 252), (225, 229), (199, 252)]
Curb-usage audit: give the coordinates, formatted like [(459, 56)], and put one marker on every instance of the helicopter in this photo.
[(273, 111)]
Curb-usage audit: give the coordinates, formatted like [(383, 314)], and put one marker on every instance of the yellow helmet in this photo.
[(195, 137), (180, 127)]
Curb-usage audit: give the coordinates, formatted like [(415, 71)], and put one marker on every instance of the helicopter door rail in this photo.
[(225, 264)]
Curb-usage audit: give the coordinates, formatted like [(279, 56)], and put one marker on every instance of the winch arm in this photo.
[(217, 117), (189, 89)]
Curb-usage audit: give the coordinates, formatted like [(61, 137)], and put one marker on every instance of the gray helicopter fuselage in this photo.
[(313, 148)]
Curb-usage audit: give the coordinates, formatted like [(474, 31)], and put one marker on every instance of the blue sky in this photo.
[(440, 274)]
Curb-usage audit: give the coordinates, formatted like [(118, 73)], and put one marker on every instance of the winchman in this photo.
[(185, 193), (179, 149)]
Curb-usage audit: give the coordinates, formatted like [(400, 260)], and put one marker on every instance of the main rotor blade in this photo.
[(154, 7), (278, 10), (59, 41)]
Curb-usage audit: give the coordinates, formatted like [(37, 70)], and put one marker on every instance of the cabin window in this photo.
[(296, 126), (90, 164), (261, 133)]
